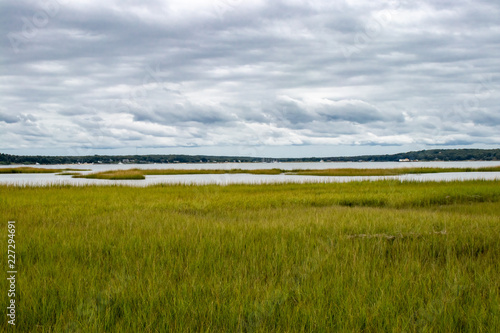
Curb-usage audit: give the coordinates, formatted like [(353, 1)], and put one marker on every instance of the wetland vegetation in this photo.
[(142, 173), (384, 256), (348, 172)]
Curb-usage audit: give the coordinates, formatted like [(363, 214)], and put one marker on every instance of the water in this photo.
[(225, 179)]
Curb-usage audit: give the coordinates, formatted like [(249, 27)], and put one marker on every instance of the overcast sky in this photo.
[(255, 78)]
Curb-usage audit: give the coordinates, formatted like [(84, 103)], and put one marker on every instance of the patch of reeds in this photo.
[(383, 256), (386, 172), (134, 173), (34, 170)]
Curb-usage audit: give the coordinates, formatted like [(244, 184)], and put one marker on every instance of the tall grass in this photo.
[(205, 172), (388, 172), (115, 175), (141, 173), (367, 256), (135, 173), (34, 170)]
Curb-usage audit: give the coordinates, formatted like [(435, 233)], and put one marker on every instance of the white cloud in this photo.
[(228, 73)]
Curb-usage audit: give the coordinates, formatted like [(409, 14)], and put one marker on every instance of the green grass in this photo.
[(34, 170), (68, 174), (206, 172), (115, 175), (141, 173), (388, 172), (136, 173), (383, 256)]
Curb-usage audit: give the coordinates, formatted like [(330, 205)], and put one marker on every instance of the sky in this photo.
[(294, 78)]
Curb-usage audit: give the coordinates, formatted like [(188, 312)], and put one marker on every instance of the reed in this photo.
[(115, 175), (141, 173), (387, 172), (383, 256), (134, 173), (34, 170)]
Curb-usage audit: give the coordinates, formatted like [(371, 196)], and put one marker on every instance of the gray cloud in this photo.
[(218, 73), (9, 119)]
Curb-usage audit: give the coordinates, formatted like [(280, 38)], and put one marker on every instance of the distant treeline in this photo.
[(423, 155)]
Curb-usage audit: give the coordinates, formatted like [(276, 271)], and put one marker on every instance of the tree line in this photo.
[(422, 155)]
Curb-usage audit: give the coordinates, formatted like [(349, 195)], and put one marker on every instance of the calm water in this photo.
[(46, 179)]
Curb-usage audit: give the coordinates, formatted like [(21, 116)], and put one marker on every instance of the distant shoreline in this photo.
[(442, 155)]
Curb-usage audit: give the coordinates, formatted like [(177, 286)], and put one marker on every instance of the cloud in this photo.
[(20, 118), (233, 73), (9, 119)]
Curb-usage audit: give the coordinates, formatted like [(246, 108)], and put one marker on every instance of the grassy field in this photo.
[(381, 256)]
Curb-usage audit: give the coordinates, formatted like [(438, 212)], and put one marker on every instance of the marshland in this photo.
[(360, 256), (249, 173), (347, 172)]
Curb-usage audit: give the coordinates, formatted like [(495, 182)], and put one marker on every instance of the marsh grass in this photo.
[(115, 175), (207, 172), (139, 174), (387, 172), (383, 256), (68, 174), (34, 170), (134, 173)]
